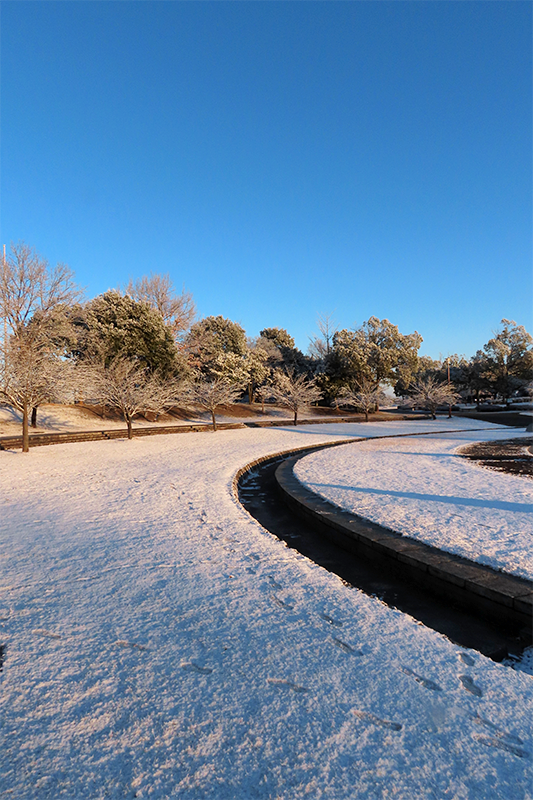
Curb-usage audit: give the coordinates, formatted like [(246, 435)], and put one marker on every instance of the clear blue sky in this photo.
[(280, 159)]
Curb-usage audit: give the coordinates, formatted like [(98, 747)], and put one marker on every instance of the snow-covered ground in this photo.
[(423, 488), (159, 643)]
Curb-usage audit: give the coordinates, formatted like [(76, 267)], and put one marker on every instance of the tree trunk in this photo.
[(214, 420), (250, 393), (25, 432), (296, 416), (433, 415), (366, 415), (34, 417), (130, 430)]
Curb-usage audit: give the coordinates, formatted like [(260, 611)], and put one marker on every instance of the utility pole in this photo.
[(449, 405)]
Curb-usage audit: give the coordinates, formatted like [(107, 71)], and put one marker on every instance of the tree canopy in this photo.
[(115, 325)]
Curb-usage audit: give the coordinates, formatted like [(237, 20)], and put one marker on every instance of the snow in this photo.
[(160, 643), (423, 488)]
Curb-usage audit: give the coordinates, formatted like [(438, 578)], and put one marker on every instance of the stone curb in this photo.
[(505, 598), (41, 439)]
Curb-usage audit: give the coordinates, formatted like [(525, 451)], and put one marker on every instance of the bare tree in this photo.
[(130, 389), (178, 311), (28, 285), (431, 393), (209, 395), (294, 391), (31, 375), (366, 397), (320, 346), (33, 299)]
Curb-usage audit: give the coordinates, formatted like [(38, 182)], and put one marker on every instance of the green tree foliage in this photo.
[(279, 336), (508, 358), (115, 326), (376, 352), (282, 353), (178, 310), (216, 348)]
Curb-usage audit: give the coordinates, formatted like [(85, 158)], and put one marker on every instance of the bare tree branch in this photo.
[(430, 393), (130, 389), (294, 391), (178, 311), (209, 395)]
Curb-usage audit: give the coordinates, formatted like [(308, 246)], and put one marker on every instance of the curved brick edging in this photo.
[(505, 598)]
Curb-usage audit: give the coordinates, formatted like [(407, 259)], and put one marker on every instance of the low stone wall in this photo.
[(504, 598)]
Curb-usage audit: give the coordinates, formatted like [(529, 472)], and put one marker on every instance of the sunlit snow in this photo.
[(159, 643)]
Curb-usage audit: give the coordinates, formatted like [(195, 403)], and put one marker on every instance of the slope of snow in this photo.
[(159, 643), (421, 487)]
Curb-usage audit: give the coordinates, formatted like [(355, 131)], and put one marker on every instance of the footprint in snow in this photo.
[(283, 684), (281, 603), (346, 648), (470, 686), (189, 666), (467, 659), (330, 620), (274, 583), (131, 645), (425, 682), (47, 634), (366, 716), (499, 744), (496, 730)]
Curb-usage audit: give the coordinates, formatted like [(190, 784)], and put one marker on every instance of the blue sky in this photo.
[(280, 159)]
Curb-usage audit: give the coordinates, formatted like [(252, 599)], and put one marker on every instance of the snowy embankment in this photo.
[(423, 488), (159, 643)]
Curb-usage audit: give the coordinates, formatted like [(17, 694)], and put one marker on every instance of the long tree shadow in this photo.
[(500, 505)]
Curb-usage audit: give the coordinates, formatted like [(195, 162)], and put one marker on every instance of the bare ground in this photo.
[(509, 455)]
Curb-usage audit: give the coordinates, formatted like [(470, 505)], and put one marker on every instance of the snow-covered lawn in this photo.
[(421, 487), (159, 643)]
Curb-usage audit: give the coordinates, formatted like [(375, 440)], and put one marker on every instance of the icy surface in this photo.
[(422, 487), (159, 643)]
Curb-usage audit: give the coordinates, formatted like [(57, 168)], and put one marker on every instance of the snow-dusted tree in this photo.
[(34, 301), (211, 394), (376, 352), (28, 285), (365, 397), (257, 363), (508, 358), (431, 393), (213, 338), (32, 374), (177, 310), (115, 326), (231, 367), (294, 391), (130, 389)]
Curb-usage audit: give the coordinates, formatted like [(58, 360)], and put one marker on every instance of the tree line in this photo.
[(140, 349)]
